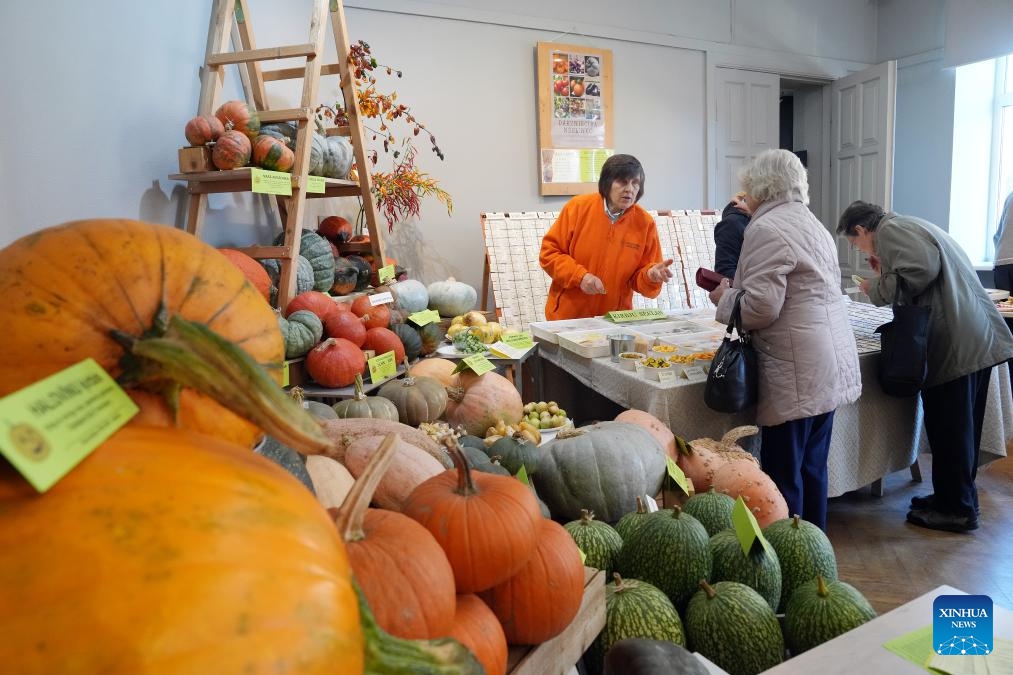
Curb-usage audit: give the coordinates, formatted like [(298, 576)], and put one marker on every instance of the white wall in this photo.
[(96, 96)]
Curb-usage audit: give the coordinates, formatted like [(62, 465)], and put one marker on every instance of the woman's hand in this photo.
[(865, 286), (716, 294), (659, 273), (592, 285)]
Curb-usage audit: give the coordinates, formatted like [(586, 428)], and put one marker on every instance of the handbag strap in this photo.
[(735, 322)]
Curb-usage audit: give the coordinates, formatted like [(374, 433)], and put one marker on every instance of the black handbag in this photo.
[(903, 354), (733, 379)]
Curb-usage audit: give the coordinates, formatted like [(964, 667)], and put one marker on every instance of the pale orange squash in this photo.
[(410, 467), (653, 426), (436, 368), (744, 478), (477, 402)]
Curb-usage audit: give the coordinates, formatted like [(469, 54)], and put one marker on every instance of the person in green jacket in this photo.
[(967, 336)]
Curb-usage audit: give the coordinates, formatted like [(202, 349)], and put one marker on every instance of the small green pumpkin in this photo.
[(599, 542), (283, 131), (431, 336), (514, 452), (286, 458), (417, 399), (734, 628), (409, 338), (759, 569), (820, 610), (318, 252), (629, 523), (301, 331), (336, 157), (362, 406), (451, 297), (713, 509)]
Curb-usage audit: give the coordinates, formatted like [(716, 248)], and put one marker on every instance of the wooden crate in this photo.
[(195, 159), (558, 655)]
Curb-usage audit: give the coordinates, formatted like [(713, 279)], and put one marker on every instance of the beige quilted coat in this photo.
[(793, 306)]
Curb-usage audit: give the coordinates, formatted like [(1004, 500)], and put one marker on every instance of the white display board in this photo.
[(520, 287)]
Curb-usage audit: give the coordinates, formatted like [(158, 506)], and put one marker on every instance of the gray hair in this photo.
[(775, 175)]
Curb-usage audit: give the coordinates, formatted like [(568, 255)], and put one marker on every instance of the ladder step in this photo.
[(287, 115), (296, 73), (265, 54), (262, 252)]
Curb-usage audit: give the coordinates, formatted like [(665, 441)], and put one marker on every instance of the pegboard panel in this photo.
[(520, 286)]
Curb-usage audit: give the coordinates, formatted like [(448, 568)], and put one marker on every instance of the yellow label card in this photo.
[(646, 314), (522, 475), (271, 182), (746, 528), (424, 317), (676, 474), (285, 374), (518, 340), (381, 367), (385, 273), (48, 427), (477, 362), (316, 185)]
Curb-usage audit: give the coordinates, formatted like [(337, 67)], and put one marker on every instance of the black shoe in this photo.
[(929, 502), (936, 520)]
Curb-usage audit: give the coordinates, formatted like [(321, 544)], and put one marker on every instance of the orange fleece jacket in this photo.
[(583, 240)]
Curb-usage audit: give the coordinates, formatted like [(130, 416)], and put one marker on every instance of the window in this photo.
[(982, 172)]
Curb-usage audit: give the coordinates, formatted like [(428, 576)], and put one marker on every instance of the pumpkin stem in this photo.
[(586, 516), (795, 521), (190, 354), (455, 393), (570, 433), (297, 393), (620, 587), (708, 589), (465, 485), (641, 508), (735, 434), (821, 586), (352, 513), (408, 379), (360, 395)]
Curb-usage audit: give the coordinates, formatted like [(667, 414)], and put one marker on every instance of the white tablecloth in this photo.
[(876, 435)]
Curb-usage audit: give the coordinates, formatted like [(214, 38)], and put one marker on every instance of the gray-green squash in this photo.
[(287, 458), (602, 467), (362, 406), (301, 331), (805, 552), (303, 277), (409, 338), (734, 627), (317, 251), (670, 550), (759, 569), (642, 656), (821, 610)]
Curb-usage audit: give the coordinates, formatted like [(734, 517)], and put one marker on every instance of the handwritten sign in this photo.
[(746, 528), (285, 375), (425, 317), (666, 375), (477, 363), (382, 367), (645, 314), (518, 340), (502, 350), (385, 273), (48, 427), (384, 298), (271, 182), (315, 185), (694, 373)]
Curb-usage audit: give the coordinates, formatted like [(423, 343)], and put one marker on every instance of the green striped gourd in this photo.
[(820, 610), (629, 523), (599, 542), (712, 509), (804, 552), (734, 627), (634, 609), (760, 569), (671, 550)]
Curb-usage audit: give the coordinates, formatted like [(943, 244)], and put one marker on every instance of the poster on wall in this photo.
[(575, 116)]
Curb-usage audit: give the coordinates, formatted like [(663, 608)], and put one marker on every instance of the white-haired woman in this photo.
[(790, 287)]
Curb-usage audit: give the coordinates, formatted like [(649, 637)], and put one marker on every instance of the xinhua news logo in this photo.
[(962, 625)]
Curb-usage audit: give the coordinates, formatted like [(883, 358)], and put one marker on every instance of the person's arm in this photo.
[(902, 252), (554, 256), (764, 265), (641, 281)]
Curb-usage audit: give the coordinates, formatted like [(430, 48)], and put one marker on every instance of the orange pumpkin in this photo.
[(654, 427), (436, 368), (232, 150), (743, 478), (335, 362), (487, 524), (336, 229), (251, 269), (203, 129), (314, 301), (238, 116), (270, 153), (540, 601), (477, 402), (139, 289), (412, 596), (382, 340), (169, 552), (345, 325), (478, 629)]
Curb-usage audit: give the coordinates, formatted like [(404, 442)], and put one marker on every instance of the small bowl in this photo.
[(663, 351), (629, 360), (653, 372)]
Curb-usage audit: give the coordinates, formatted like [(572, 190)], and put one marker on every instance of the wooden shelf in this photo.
[(238, 180)]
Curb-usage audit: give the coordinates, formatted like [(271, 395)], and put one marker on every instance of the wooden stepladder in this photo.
[(230, 22)]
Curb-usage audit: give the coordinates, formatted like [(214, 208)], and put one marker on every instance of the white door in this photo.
[(745, 124), (861, 156)]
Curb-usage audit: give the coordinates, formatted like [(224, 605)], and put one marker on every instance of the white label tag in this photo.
[(695, 373), (380, 299), (666, 375)]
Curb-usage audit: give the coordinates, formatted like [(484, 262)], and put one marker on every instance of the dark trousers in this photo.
[(794, 454), (1002, 277), (954, 413)]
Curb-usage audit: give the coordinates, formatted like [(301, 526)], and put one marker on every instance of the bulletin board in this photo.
[(575, 117), (520, 286)]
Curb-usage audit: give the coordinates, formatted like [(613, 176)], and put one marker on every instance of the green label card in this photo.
[(477, 362), (383, 366), (746, 528), (285, 374), (646, 314), (518, 340), (385, 273), (522, 475), (583, 556), (271, 182), (48, 427), (676, 474), (316, 185), (424, 317)]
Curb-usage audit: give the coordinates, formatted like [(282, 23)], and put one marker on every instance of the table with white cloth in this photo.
[(875, 436)]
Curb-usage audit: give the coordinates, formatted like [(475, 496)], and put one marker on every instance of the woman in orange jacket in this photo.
[(603, 247)]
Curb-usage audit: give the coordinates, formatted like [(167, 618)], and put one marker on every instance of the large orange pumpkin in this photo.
[(169, 552), (477, 402), (251, 269), (147, 302), (487, 524), (478, 629), (412, 596)]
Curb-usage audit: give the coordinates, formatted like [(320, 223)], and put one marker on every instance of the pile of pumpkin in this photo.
[(680, 575), (172, 547), (237, 139)]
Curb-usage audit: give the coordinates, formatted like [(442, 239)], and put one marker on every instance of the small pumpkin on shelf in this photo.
[(313, 301), (362, 406), (417, 399), (203, 129), (232, 150), (477, 628), (335, 362), (302, 330), (251, 269), (346, 325), (336, 228), (270, 153), (238, 116), (451, 297)]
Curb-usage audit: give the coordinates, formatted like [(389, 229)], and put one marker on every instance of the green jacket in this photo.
[(966, 331)]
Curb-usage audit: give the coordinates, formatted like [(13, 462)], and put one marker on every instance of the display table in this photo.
[(861, 650), (875, 436)]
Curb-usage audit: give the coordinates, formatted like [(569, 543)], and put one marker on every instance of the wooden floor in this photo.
[(892, 561)]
